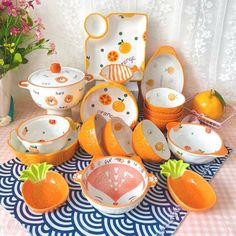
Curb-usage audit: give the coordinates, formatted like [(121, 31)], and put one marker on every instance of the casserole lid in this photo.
[(56, 76)]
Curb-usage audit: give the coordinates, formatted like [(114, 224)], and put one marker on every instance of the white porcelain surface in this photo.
[(95, 25), (18, 146), (165, 97), (126, 38), (44, 134), (110, 100), (195, 143), (163, 71)]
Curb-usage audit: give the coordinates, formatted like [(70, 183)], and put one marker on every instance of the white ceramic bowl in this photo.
[(44, 134), (194, 143), (115, 185), (164, 100), (58, 91)]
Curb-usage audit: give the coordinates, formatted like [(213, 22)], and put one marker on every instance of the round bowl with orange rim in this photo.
[(90, 135), (164, 100), (162, 116), (149, 142), (115, 184), (117, 138)]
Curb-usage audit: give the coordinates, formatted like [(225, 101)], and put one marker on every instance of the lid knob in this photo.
[(55, 68)]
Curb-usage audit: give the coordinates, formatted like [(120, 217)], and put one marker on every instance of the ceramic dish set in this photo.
[(116, 180)]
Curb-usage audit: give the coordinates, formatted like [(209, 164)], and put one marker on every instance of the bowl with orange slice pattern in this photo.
[(110, 100)]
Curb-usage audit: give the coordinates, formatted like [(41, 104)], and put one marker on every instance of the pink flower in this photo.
[(25, 26), (14, 31), (38, 2), (38, 34), (23, 3), (52, 49), (7, 3), (39, 23), (30, 4), (12, 11)]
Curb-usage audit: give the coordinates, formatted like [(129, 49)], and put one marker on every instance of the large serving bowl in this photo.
[(44, 134), (194, 143), (164, 100), (58, 90), (115, 185)]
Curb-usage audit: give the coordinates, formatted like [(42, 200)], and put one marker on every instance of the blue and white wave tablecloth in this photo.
[(156, 215)]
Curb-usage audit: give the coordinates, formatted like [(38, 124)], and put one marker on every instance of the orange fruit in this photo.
[(210, 103), (112, 56), (125, 47), (90, 135), (149, 142), (118, 106), (55, 68), (117, 138), (105, 99)]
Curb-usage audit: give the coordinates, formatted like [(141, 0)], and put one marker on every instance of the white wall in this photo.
[(202, 31)]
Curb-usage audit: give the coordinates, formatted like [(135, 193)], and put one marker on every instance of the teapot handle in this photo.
[(23, 84)]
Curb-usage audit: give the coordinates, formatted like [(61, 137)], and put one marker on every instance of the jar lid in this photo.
[(56, 76)]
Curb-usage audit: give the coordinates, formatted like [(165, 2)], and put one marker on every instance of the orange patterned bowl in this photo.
[(162, 116), (55, 158), (90, 135), (114, 184), (161, 124), (149, 142), (164, 100), (117, 138)]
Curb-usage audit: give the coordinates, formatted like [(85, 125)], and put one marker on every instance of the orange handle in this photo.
[(88, 78), (152, 180), (165, 50), (172, 124), (23, 84), (77, 177), (222, 152)]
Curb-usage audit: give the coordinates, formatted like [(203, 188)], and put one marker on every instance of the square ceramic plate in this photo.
[(123, 43)]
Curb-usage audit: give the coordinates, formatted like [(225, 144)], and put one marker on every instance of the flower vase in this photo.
[(6, 100)]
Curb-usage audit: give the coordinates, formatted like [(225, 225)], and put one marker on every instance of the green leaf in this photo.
[(1, 62), (29, 21), (218, 95), (17, 58), (174, 168)]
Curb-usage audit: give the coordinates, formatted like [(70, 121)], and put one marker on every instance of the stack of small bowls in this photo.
[(163, 105)]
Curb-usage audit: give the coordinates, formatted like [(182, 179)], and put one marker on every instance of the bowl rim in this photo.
[(163, 88), (193, 152), (61, 86), (38, 117), (87, 194)]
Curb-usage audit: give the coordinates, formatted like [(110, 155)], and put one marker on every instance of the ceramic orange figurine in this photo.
[(43, 190), (189, 189)]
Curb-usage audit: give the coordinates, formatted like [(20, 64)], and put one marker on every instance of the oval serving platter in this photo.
[(110, 100), (163, 70)]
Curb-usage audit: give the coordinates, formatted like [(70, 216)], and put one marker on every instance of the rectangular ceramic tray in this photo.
[(126, 38)]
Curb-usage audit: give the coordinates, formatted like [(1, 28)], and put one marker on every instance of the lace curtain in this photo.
[(202, 31)]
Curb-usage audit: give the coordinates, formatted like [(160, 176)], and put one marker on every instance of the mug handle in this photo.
[(77, 177), (23, 84)]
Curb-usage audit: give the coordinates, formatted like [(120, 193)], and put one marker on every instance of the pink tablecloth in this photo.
[(221, 220)]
